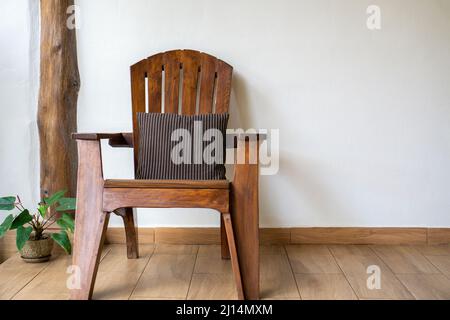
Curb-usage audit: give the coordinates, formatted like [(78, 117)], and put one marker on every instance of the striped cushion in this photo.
[(160, 158)]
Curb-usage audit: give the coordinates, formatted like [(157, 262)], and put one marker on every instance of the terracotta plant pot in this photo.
[(36, 251)]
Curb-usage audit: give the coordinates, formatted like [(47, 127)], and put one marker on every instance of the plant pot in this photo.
[(36, 251)]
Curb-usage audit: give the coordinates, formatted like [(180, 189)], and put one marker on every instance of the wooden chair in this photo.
[(205, 85)]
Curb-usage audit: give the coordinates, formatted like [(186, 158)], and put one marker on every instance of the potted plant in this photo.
[(32, 240)]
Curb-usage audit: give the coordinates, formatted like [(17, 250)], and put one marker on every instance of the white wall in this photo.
[(19, 144), (364, 115)]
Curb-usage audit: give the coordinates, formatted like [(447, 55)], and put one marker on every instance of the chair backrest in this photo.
[(181, 82)]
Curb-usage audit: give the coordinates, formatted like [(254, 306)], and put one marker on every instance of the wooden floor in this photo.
[(287, 272)]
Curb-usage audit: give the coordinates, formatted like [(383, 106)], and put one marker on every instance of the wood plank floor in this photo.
[(194, 272)]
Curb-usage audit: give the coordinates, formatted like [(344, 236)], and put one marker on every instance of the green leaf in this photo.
[(7, 203), (23, 218), (66, 222), (54, 198), (23, 235), (63, 240), (66, 204), (42, 209), (4, 227)]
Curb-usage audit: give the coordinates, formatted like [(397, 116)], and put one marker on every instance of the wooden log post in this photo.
[(57, 109)]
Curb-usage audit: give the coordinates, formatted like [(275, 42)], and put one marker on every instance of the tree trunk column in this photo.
[(58, 95)]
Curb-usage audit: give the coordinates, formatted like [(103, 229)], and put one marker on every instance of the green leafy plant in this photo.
[(32, 226)]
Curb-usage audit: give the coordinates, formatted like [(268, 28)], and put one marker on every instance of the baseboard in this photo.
[(192, 236), (438, 236), (386, 236), (7, 245), (268, 236), (407, 236)]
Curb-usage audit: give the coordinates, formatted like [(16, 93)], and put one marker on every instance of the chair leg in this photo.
[(234, 257), (86, 255), (91, 221), (129, 217), (223, 240)]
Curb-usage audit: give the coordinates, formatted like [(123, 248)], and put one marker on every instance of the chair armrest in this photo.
[(116, 140)]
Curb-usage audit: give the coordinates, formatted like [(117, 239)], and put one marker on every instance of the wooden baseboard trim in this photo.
[(386, 236), (268, 236), (410, 236), (438, 236), (8, 243), (275, 236), (187, 235), (192, 236)]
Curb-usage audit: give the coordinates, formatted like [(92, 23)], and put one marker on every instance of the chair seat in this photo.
[(168, 184)]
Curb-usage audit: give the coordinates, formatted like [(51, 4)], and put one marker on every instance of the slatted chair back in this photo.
[(179, 82)]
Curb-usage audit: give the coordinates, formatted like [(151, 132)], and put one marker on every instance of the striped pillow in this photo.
[(181, 147)]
